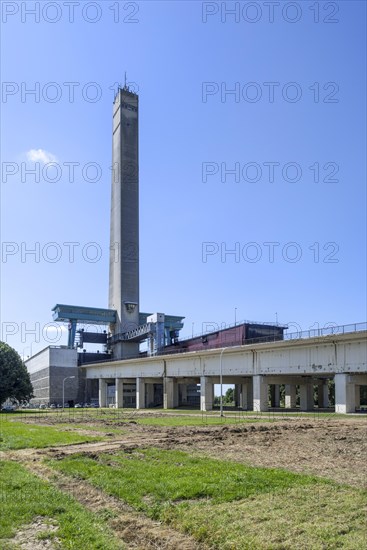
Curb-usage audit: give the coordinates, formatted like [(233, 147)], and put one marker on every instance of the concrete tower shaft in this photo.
[(124, 235)]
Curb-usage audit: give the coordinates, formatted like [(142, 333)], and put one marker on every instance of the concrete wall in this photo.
[(253, 368), (343, 353), (48, 369)]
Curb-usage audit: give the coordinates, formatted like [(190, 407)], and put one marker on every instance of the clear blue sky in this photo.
[(316, 118)]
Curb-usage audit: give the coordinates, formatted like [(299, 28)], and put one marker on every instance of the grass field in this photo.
[(17, 435), (23, 496), (207, 494), (167, 417), (220, 502)]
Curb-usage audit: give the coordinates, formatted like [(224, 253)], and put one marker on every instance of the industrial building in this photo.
[(170, 371)]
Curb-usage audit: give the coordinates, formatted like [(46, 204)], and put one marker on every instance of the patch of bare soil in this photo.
[(333, 449), (38, 535)]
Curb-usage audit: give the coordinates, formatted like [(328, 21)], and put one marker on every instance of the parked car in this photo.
[(78, 405), (52, 406), (7, 408)]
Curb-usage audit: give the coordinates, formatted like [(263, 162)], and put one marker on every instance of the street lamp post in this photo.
[(221, 381), (63, 390), (30, 347)]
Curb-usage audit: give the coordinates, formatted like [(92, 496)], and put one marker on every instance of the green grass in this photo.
[(23, 496), (100, 428), (316, 517), (17, 435), (225, 504), (171, 476)]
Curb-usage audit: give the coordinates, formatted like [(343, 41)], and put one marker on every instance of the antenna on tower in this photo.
[(125, 86)]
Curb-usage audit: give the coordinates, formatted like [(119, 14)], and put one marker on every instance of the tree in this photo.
[(228, 399), (15, 383)]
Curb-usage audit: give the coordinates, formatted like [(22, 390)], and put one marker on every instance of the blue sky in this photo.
[(193, 131)]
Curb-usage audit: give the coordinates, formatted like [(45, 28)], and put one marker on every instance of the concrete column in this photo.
[(345, 395), (149, 398), (306, 396), (290, 396), (260, 393), (237, 395), (250, 396), (243, 396), (183, 394), (119, 393), (275, 395), (357, 396), (246, 396), (140, 393), (102, 393), (323, 394), (170, 393), (206, 394)]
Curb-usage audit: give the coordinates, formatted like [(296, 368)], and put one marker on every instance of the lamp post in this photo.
[(221, 381), (235, 316), (63, 390), (30, 347)]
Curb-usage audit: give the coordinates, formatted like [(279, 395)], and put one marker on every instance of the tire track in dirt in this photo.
[(135, 530)]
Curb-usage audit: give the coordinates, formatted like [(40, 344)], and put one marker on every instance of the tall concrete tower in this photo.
[(124, 235)]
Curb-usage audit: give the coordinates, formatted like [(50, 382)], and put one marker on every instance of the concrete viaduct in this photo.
[(252, 368)]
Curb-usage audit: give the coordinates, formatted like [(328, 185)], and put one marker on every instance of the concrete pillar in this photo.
[(183, 394), (170, 393), (206, 394), (290, 396), (102, 393), (345, 395), (357, 396), (237, 395), (243, 396), (149, 398), (323, 394), (260, 393), (275, 395), (246, 396), (306, 396), (140, 393), (119, 393), (250, 396)]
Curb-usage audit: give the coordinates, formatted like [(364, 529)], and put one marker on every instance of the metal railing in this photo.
[(326, 331)]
